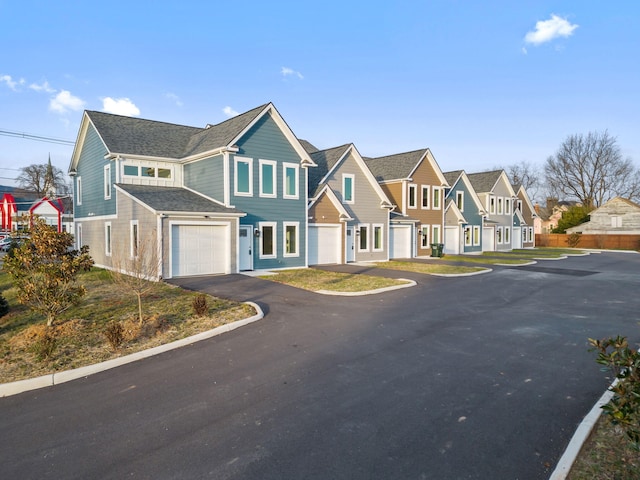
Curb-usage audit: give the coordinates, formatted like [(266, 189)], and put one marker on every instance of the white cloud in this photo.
[(43, 87), (120, 106), (229, 112), (547, 30), (286, 71), (64, 101), (10, 82), (174, 98)]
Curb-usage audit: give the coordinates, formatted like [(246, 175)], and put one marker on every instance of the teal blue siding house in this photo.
[(464, 216), (212, 200)]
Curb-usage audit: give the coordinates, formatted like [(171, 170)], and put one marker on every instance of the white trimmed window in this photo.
[(348, 184), (507, 206), (107, 182), (363, 238), (134, 238), (412, 200), (424, 236), (243, 185), (436, 237), (460, 200), (437, 198), (491, 204), (499, 238), (467, 236), (79, 191), (476, 235), (531, 234), (500, 211), (291, 239), (79, 236), (267, 239), (107, 239), (524, 234), (377, 238), (267, 178), (507, 235), (290, 180), (425, 197)]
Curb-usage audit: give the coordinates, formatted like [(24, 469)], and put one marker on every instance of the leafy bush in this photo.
[(200, 305), (4, 306), (114, 332), (624, 407)]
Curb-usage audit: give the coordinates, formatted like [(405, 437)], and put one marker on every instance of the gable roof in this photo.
[(452, 177), (485, 182), (402, 165), (326, 191), (610, 205), (130, 136), (461, 176), (175, 199)]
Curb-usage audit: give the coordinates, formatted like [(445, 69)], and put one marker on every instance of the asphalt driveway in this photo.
[(481, 377)]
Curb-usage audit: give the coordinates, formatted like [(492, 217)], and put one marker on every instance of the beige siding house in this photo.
[(617, 216)]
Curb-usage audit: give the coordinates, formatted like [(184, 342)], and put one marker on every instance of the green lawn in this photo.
[(315, 280), (429, 268), (504, 260)]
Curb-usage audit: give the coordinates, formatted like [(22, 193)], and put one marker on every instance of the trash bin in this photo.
[(436, 249), (441, 249)]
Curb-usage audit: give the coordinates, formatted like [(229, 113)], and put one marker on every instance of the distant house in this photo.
[(497, 195), (54, 213), (15, 205), (414, 183), (524, 219), (549, 215), (617, 216), (348, 210), (463, 217)]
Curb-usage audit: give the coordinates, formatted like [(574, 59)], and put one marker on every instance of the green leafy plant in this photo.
[(4, 306), (624, 408), (200, 305), (44, 269)]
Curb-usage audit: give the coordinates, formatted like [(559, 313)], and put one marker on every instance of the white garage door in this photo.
[(199, 250), (452, 240), (399, 241), (325, 245)]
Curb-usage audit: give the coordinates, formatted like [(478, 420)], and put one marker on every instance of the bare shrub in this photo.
[(200, 305)]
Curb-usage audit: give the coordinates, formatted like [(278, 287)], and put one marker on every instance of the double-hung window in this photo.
[(363, 241), (507, 235), (492, 205), (460, 200), (507, 206), (267, 239), (348, 184), (107, 182), (467, 236), (424, 236), (243, 185), (436, 234), (290, 179), (437, 194), (412, 201), (377, 238), (500, 211), (499, 235), (79, 191), (267, 178), (107, 239), (425, 203), (291, 240), (476, 235)]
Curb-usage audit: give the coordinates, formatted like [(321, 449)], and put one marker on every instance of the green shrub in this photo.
[(200, 305), (4, 306), (624, 407)]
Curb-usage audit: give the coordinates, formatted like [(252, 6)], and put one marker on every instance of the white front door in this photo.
[(350, 245), (246, 247)]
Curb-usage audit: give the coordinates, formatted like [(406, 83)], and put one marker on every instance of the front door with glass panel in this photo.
[(246, 247)]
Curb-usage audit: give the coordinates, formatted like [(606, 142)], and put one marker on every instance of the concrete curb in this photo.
[(563, 257), (579, 438), (410, 283), (533, 262), (470, 274), (13, 388)]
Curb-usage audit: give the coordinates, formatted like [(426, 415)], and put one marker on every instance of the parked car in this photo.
[(7, 242)]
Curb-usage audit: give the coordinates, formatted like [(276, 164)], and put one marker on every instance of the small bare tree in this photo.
[(135, 269)]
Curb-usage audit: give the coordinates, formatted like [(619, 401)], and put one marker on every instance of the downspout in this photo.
[(160, 244)]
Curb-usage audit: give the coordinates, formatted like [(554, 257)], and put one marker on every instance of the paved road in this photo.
[(481, 377)]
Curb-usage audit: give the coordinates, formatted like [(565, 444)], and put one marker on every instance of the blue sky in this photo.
[(480, 83)]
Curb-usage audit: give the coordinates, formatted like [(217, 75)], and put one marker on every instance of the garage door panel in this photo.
[(199, 249), (400, 241), (325, 243)]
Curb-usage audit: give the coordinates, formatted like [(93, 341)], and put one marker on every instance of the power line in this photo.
[(37, 138)]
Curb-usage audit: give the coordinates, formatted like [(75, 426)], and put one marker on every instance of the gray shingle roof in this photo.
[(136, 136), (174, 199), (325, 161), (451, 177), (484, 181), (308, 146), (395, 167)]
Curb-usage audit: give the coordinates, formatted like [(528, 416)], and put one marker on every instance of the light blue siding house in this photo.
[(218, 199), (464, 216)]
